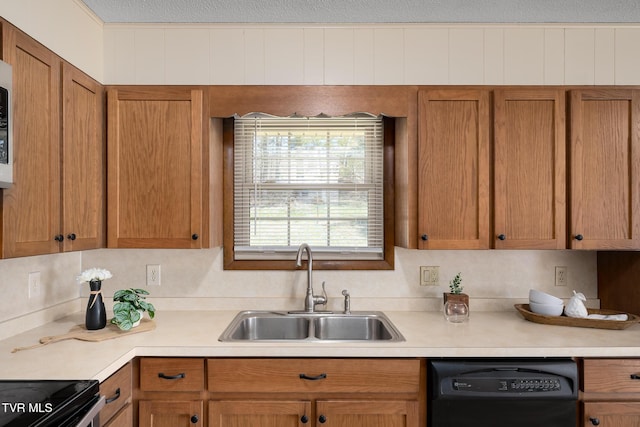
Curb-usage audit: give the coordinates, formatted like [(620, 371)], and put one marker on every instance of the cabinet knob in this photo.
[(71, 236), (194, 419), (578, 237), (322, 419), (58, 238), (424, 237), (304, 419), (502, 237), (594, 421), (194, 236)]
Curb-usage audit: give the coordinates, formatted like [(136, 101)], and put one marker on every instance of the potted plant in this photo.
[(455, 294), (129, 305)]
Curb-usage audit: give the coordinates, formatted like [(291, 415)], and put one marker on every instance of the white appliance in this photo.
[(6, 126)]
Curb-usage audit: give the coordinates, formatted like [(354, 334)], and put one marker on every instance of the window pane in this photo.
[(311, 180)]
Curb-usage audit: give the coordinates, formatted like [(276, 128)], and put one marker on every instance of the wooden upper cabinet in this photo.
[(83, 160), (31, 206), (453, 169), (57, 201), (605, 169), (529, 206), (155, 168)]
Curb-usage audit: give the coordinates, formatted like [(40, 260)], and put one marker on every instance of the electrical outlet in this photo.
[(153, 274), (34, 284), (429, 275), (561, 276)]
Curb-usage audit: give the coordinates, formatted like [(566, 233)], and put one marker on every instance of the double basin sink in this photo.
[(266, 326)]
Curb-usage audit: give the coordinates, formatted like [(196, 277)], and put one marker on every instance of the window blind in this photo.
[(315, 180)]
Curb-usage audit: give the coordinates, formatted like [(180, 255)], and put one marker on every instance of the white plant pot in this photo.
[(138, 322)]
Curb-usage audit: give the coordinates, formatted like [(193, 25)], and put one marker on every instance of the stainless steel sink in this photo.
[(352, 328), (266, 326)]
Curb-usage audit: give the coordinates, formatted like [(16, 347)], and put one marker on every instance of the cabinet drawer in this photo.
[(117, 391), (314, 375), (171, 374), (612, 375)]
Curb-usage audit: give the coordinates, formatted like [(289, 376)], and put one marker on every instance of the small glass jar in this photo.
[(456, 311)]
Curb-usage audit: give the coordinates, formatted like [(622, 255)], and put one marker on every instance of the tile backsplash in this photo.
[(195, 279), (493, 279)]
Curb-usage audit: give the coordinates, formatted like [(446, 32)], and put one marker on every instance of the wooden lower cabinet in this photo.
[(280, 392), (264, 392), (170, 413), (611, 392), (330, 413), (368, 413), (124, 418), (611, 414), (268, 413), (118, 408)]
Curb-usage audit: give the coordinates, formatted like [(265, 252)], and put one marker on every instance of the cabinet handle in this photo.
[(71, 236), (172, 377), (194, 419), (578, 237), (304, 419), (594, 421), (635, 376), (425, 237), (194, 236), (322, 419), (502, 237), (58, 238), (114, 397), (316, 378)]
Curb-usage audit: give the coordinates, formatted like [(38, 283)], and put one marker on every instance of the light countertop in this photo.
[(195, 334)]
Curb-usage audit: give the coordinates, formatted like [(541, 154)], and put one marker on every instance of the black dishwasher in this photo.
[(502, 393)]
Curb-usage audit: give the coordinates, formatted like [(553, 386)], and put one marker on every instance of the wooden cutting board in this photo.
[(79, 332)]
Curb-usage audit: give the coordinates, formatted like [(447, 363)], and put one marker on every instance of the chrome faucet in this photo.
[(310, 300)]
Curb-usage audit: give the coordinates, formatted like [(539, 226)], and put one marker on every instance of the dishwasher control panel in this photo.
[(506, 385), (502, 378)]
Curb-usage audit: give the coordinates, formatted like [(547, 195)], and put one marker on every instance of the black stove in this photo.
[(46, 403)]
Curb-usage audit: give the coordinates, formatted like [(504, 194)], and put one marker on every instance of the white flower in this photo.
[(94, 274)]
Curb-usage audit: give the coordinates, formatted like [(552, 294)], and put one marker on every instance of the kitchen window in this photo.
[(316, 180)]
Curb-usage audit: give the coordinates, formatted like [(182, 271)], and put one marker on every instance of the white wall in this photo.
[(67, 27), (372, 54)]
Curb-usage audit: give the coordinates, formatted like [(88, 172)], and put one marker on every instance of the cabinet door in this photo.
[(31, 206), (259, 413), (611, 414), (356, 413), (453, 169), (83, 161), (605, 167), (124, 418), (174, 413), (155, 170), (529, 169)]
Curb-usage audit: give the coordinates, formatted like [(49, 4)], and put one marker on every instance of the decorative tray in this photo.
[(581, 323)]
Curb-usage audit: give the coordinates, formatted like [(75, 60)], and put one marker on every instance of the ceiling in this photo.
[(366, 11)]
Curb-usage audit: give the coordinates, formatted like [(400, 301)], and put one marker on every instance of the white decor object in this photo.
[(575, 307)]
